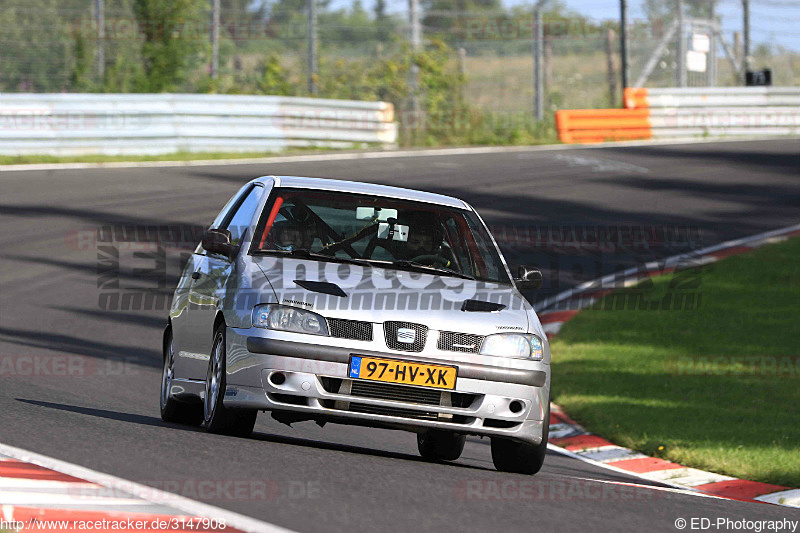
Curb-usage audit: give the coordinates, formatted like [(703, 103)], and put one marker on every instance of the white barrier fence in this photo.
[(112, 124), (719, 111)]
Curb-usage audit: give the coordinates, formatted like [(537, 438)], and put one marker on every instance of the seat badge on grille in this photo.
[(406, 335)]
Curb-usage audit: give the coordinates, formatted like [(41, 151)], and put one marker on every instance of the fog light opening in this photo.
[(516, 406), (277, 378)]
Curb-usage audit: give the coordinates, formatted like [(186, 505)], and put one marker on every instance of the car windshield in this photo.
[(389, 232)]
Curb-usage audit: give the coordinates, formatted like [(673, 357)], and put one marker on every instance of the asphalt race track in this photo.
[(341, 478)]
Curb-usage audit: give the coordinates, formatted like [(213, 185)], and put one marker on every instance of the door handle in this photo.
[(195, 275)]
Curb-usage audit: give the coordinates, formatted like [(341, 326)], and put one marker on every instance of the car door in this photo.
[(186, 324), (182, 305), (211, 279)]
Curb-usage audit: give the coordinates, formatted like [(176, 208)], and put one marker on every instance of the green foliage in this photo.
[(172, 38), (125, 74), (275, 78), (35, 42), (81, 79)]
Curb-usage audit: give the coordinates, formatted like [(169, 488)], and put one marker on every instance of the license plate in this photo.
[(404, 372)]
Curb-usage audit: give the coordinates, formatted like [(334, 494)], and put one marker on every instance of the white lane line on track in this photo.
[(670, 486), (685, 491), (150, 494), (385, 154)]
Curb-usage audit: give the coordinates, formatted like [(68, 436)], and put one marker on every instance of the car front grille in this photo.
[(459, 342), (405, 336), (393, 411), (350, 329), (398, 393)]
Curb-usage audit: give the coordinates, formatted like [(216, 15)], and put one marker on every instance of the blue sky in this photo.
[(773, 22)]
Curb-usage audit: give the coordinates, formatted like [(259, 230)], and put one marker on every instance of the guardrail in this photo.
[(687, 112), (111, 124), (598, 125)]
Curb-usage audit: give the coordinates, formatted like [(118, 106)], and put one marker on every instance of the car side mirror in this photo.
[(528, 278), (218, 241)]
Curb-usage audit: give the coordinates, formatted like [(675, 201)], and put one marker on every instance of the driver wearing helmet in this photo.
[(422, 240), (289, 236), (425, 244)]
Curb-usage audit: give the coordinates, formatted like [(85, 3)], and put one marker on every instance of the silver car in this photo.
[(353, 303)]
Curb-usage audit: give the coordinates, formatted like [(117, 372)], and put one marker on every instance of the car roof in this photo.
[(363, 188)]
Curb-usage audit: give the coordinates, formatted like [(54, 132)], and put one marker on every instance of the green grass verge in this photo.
[(647, 379), (177, 156)]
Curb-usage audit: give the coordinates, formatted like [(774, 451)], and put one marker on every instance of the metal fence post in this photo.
[(214, 39), (681, 60), (313, 70), (746, 31), (416, 45), (612, 72), (623, 40), (99, 16), (538, 82)]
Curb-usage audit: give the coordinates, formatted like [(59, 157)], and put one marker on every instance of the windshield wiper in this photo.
[(308, 254), (403, 263)]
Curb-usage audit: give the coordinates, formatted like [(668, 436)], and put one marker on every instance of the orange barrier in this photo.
[(598, 125), (670, 113), (635, 98)]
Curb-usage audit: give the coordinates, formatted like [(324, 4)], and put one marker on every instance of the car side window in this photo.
[(238, 223), (230, 206)]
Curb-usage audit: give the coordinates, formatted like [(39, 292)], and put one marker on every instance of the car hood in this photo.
[(377, 295)]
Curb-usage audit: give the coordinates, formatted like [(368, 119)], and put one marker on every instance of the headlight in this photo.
[(285, 318), (526, 346)]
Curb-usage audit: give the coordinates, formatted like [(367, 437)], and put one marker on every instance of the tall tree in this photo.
[(172, 40)]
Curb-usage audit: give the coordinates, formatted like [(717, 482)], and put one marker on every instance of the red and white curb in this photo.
[(42, 493), (569, 438)]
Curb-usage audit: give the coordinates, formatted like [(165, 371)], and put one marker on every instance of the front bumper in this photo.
[(294, 374)]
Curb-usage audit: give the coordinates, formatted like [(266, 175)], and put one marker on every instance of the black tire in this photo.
[(218, 418), (437, 445), (521, 457), (173, 410)]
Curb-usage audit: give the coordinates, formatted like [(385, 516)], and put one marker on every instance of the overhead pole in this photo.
[(214, 39), (623, 41), (99, 18), (313, 37), (681, 60)]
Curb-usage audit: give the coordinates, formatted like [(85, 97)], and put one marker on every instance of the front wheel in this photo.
[(437, 445), (521, 457), (218, 418), (171, 409)]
